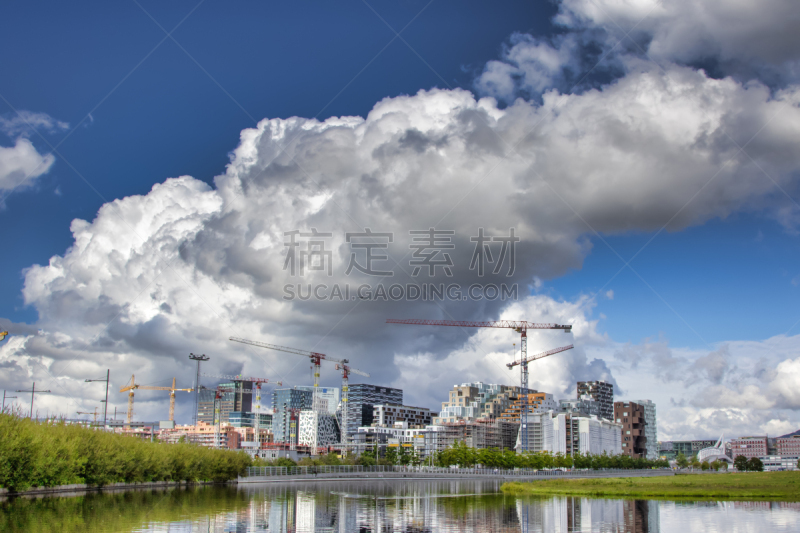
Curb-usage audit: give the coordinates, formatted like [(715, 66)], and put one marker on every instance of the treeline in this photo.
[(52, 453), (462, 455)]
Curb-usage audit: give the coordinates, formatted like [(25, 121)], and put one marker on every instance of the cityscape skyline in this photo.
[(632, 174)]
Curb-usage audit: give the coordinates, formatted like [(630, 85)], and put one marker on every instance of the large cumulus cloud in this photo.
[(182, 268)]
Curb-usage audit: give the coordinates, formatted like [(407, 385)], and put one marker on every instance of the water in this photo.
[(378, 506)]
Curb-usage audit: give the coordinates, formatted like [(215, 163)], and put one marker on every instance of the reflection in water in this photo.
[(378, 507)]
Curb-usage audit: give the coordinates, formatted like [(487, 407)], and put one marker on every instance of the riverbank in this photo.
[(775, 486), (51, 453)]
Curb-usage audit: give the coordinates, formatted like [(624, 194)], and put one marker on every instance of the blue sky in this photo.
[(142, 107)]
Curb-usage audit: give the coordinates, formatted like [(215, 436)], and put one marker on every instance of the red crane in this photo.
[(520, 326)]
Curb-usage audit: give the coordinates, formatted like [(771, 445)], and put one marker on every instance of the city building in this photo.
[(788, 446), (239, 419), (362, 399), (469, 401), (387, 414), (317, 429), (571, 433), (601, 392), (773, 463), (239, 397), (328, 397), (538, 402), (203, 434), (286, 405), (650, 428), (479, 433), (631, 416), (584, 406), (749, 447)]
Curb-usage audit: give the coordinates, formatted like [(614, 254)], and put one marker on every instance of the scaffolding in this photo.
[(479, 433)]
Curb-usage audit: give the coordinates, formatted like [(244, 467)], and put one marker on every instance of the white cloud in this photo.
[(21, 164), (24, 123)]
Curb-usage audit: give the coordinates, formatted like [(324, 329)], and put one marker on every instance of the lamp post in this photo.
[(33, 391), (105, 402), (199, 359), (4, 400)]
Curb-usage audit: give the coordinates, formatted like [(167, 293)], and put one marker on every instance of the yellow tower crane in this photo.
[(133, 386)]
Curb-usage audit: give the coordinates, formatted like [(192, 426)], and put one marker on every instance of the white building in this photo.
[(650, 428), (598, 436), (320, 429)]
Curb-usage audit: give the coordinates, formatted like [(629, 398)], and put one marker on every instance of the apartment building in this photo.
[(601, 392), (632, 418)]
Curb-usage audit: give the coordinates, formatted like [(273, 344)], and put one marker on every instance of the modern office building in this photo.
[(586, 406), (601, 392), (283, 402), (329, 397), (239, 419), (362, 398), (651, 429), (631, 416), (238, 397)]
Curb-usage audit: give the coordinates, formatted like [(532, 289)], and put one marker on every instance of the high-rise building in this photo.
[(362, 398), (631, 416), (601, 392), (283, 401), (329, 397), (234, 399), (651, 428)]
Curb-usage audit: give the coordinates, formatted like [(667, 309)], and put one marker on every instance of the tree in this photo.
[(283, 461), (704, 465), (740, 463), (391, 455), (755, 464), (682, 461), (366, 460)]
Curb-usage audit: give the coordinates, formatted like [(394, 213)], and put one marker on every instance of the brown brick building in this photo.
[(631, 416), (750, 447), (788, 446)]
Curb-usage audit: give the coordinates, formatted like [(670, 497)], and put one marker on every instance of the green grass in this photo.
[(781, 486)]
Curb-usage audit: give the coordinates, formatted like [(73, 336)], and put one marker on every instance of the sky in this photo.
[(154, 157)]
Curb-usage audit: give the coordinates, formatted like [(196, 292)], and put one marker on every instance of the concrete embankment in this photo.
[(78, 489), (500, 475)]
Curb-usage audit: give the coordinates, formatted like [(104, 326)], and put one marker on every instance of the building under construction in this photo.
[(479, 433)]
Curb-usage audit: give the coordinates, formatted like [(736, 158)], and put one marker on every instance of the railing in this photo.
[(271, 471)]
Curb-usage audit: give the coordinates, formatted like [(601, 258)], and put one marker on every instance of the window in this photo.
[(624, 414)]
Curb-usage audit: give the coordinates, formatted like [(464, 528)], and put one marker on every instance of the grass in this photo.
[(779, 486)]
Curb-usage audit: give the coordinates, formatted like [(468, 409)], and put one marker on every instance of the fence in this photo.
[(425, 471)]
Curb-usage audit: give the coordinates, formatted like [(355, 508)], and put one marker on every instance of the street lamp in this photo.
[(32, 391), (105, 402), (199, 359), (4, 400)]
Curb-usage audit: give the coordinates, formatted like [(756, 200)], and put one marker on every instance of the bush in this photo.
[(52, 453)]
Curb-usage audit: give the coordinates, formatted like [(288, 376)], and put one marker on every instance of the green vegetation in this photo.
[(52, 453), (117, 511), (742, 464), (460, 454), (783, 486)]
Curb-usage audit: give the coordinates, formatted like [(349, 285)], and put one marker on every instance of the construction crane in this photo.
[(94, 413), (133, 386), (346, 369), (3, 335), (316, 360), (521, 327)]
